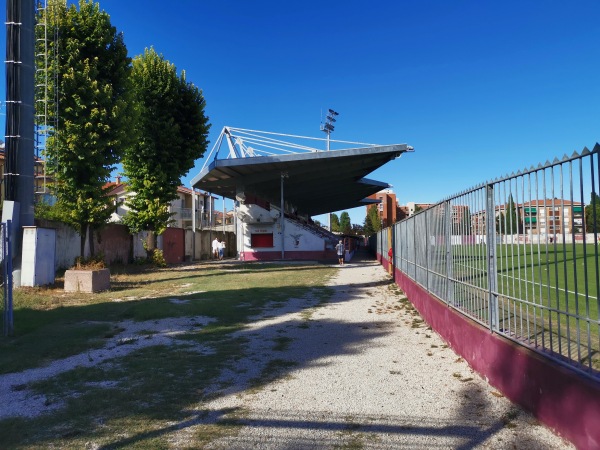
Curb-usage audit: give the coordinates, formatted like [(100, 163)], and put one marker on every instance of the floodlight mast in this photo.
[(328, 126)]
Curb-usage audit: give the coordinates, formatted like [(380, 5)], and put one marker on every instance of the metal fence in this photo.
[(6, 279), (518, 254)]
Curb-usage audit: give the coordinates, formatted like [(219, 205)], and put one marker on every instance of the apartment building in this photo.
[(187, 202), (390, 211), (387, 206), (540, 217)]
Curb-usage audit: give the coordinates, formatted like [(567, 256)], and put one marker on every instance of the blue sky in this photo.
[(479, 88)]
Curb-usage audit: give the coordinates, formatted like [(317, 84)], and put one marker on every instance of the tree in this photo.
[(335, 222), (463, 224), (173, 134), (90, 102), (345, 224), (357, 230), (592, 214), (372, 221), (507, 223)]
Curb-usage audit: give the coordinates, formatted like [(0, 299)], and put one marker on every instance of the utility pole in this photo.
[(19, 130)]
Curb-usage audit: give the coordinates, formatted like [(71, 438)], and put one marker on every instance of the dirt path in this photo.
[(361, 371)]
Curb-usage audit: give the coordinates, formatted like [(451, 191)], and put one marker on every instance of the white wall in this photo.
[(296, 238)]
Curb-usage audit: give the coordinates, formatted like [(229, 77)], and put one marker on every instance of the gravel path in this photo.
[(361, 371)]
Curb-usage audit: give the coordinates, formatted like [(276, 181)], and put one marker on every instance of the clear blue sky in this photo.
[(478, 88)]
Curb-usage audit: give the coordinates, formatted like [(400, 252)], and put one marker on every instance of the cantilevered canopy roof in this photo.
[(314, 183)]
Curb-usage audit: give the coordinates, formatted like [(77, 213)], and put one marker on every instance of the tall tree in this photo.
[(335, 222), (372, 221), (507, 223), (89, 103), (173, 133), (592, 214), (345, 224)]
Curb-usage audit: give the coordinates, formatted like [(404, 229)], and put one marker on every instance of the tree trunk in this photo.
[(82, 234), (91, 241), (150, 244)]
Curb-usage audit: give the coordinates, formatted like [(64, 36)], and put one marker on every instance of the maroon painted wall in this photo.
[(290, 255), (115, 243), (174, 245), (564, 401)]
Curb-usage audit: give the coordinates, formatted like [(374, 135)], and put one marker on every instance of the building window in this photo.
[(261, 240)]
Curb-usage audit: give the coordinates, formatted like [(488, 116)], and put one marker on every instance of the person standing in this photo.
[(215, 247), (222, 249), (340, 249)]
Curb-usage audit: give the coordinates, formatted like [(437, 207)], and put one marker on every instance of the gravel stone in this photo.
[(361, 374)]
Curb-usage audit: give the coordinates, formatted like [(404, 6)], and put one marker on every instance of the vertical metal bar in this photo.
[(511, 221), (529, 260), (585, 266), (596, 244), (426, 217), (449, 261), (393, 245), (574, 247), (547, 256), (594, 204), (491, 261), (539, 261), (555, 249), (567, 312), (520, 237)]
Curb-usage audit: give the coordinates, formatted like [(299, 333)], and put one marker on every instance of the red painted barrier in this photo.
[(564, 401)]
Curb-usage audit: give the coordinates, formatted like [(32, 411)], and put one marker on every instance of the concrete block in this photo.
[(87, 280)]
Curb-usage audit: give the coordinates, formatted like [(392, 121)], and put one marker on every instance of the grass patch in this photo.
[(140, 400)]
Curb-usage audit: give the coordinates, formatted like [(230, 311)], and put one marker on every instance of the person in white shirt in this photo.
[(340, 250), (222, 249), (215, 248)]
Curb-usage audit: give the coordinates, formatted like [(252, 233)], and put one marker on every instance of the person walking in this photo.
[(340, 249)]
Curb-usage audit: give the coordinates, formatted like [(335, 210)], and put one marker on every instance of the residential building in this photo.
[(540, 217), (387, 206), (390, 211), (187, 202)]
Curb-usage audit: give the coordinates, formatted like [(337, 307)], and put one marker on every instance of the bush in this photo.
[(158, 258), (91, 263)]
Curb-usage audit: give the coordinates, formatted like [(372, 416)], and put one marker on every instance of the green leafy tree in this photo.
[(507, 223), (592, 214), (357, 230), (335, 222), (173, 132), (372, 222), (345, 224), (90, 105), (463, 224)]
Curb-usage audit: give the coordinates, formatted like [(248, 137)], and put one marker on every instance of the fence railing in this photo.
[(520, 255)]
